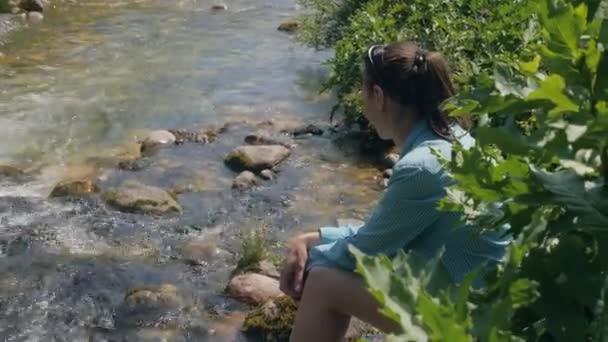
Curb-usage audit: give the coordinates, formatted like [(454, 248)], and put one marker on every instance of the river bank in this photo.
[(83, 91)]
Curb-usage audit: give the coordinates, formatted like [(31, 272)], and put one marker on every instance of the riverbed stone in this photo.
[(289, 26), (267, 175), (390, 160), (136, 164), (199, 251), (253, 288), (307, 130), (74, 188), (32, 5), (219, 7), (35, 17), (7, 171), (152, 142), (148, 305), (267, 268), (139, 198), (245, 180), (256, 158)]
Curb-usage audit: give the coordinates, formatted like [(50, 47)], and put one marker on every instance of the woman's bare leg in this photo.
[(330, 298)]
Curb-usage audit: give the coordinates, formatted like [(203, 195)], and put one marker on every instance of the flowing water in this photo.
[(78, 90)]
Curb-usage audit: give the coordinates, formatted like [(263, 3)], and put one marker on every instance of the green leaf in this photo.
[(601, 82), (530, 67), (441, 321), (552, 90)]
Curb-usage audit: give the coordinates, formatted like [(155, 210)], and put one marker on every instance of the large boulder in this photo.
[(74, 188), (139, 198), (253, 288), (256, 158)]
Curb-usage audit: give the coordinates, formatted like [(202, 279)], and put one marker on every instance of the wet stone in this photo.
[(32, 5), (155, 305), (7, 171), (139, 198), (253, 288), (268, 175), (154, 140), (74, 188), (245, 180), (289, 26), (35, 17), (219, 7), (256, 158), (199, 251), (137, 164)]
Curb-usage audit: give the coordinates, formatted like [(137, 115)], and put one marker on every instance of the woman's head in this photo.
[(403, 81)]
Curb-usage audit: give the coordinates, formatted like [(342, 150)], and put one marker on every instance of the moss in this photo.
[(272, 321), (74, 188)]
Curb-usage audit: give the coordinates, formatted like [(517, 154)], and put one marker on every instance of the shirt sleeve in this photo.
[(408, 206)]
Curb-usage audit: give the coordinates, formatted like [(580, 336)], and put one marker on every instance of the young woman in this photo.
[(404, 87)]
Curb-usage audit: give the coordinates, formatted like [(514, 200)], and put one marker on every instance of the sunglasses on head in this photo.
[(370, 55)]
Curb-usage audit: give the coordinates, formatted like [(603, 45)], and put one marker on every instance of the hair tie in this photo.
[(420, 65)]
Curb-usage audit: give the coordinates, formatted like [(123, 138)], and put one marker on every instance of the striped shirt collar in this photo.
[(416, 133)]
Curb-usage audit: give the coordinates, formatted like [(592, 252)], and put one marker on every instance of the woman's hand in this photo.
[(292, 275)]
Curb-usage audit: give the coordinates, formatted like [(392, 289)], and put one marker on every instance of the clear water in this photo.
[(82, 86)]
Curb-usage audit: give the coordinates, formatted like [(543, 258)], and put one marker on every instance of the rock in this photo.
[(271, 321), (137, 164), (253, 288), (388, 173), (390, 160), (139, 198), (11, 171), (149, 305), (308, 129), (267, 268), (154, 140), (199, 251), (75, 188), (219, 7), (35, 17), (289, 26), (268, 175), (201, 137), (256, 158), (32, 5), (22, 17), (245, 180), (349, 222)]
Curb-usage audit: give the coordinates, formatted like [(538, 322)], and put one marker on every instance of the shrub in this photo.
[(552, 181), (473, 34)]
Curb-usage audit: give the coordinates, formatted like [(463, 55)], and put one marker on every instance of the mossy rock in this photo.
[(256, 158), (289, 26), (11, 171), (138, 198), (271, 321), (74, 188)]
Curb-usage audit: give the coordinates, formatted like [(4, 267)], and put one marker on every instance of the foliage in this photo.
[(5, 6), (253, 248), (471, 33), (271, 321), (550, 180)]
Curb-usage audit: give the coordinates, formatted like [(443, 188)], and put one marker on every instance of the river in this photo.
[(81, 86)]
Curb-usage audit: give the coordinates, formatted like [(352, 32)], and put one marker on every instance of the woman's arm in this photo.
[(408, 207)]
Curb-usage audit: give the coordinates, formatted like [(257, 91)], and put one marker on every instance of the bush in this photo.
[(552, 181), (5, 7), (472, 34)]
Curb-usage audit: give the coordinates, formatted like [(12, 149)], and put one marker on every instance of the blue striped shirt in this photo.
[(407, 216)]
